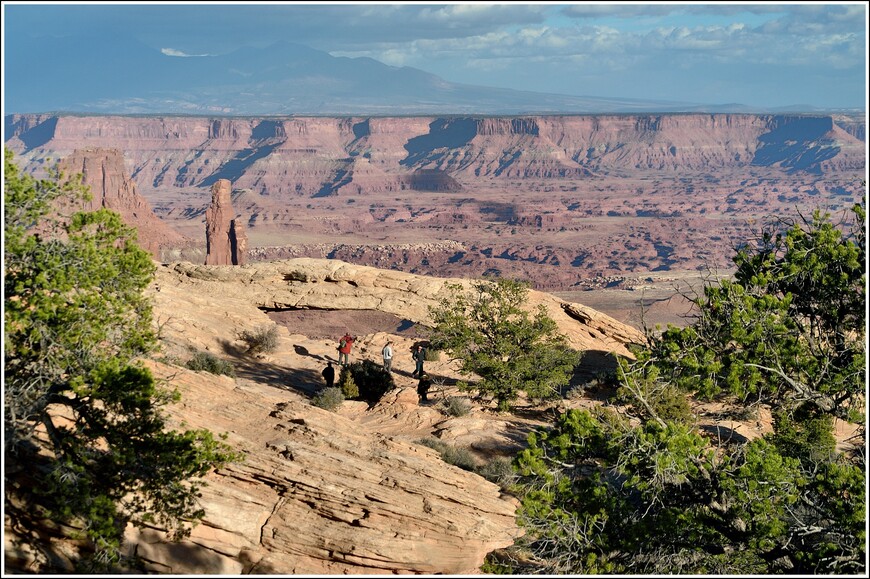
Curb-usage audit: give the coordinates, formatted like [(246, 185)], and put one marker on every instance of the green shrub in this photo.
[(347, 385), (457, 406), (499, 470), (77, 322), (263, 339), (328, 398), (207, 362), (454, 455), (431, 355), (371, 380), (510, 349), (492, 566)]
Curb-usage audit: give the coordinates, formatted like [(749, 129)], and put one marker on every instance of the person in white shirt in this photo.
[(388, 356)]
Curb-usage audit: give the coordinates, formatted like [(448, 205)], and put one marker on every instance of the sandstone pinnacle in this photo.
[(225, 238)]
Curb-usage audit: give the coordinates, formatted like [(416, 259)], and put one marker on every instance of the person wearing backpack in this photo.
[(387, 353), (344, 346)]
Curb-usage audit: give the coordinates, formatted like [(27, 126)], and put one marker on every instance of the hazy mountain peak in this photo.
[(284, 77)]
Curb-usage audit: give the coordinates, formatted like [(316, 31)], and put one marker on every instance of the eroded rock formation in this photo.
[(226, 241), (104, 174), (329, 284), (326, 156), (319, 493), (568, 202)]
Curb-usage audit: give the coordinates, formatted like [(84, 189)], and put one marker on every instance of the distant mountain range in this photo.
[(123, 76)]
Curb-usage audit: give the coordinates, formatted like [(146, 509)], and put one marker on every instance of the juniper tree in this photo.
[(83, 421), (510, 349), (650, 491)]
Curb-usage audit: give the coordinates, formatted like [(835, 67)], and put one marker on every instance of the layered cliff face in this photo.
[(566, 202), (103, 172), (328, 156)]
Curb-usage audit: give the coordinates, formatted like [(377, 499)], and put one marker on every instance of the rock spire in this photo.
[(225, 239)]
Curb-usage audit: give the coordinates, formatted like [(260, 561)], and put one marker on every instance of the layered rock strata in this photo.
[(307, 283), (226, 241), (315, 157), (104, 174), (568, 202), (318, 493)]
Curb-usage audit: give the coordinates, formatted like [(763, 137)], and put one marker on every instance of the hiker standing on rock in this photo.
[(344, 346), (419, 356), (387, 352), (329, 375)]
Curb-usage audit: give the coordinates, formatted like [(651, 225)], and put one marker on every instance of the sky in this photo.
[(757, 54)]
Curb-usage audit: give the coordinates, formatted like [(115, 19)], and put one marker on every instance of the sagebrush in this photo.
[(208, 362), (457, 456), (457, 406), (262, 340), (328, 398)]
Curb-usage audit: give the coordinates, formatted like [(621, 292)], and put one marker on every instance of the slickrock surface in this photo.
[(307, 283), (319, 493), (226, 241), (103, 172)]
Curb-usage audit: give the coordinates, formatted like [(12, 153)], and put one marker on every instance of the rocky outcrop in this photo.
[(226, 241), (103, 172), (318, 493), (306, 283), (313, 492)]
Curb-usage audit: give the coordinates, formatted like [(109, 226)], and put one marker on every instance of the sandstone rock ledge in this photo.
[(304, 283), (320, 494), (323, 492)]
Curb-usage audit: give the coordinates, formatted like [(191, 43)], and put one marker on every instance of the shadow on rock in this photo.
[(303, 380), (595, 365), (303, 351)]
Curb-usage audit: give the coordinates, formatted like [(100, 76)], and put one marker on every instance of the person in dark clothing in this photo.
[(419, 356), (423, 388), (329, 375)]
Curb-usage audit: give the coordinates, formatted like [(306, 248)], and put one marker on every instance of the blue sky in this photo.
[(760, 54)]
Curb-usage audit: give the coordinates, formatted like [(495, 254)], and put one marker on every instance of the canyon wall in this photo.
[(319, 156), (565, 202)]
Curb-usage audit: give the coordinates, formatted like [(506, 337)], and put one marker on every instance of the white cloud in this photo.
[(478, 17), (396, 56), (173, 52)]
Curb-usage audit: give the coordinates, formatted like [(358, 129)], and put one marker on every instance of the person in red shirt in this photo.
[(344, 346)]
